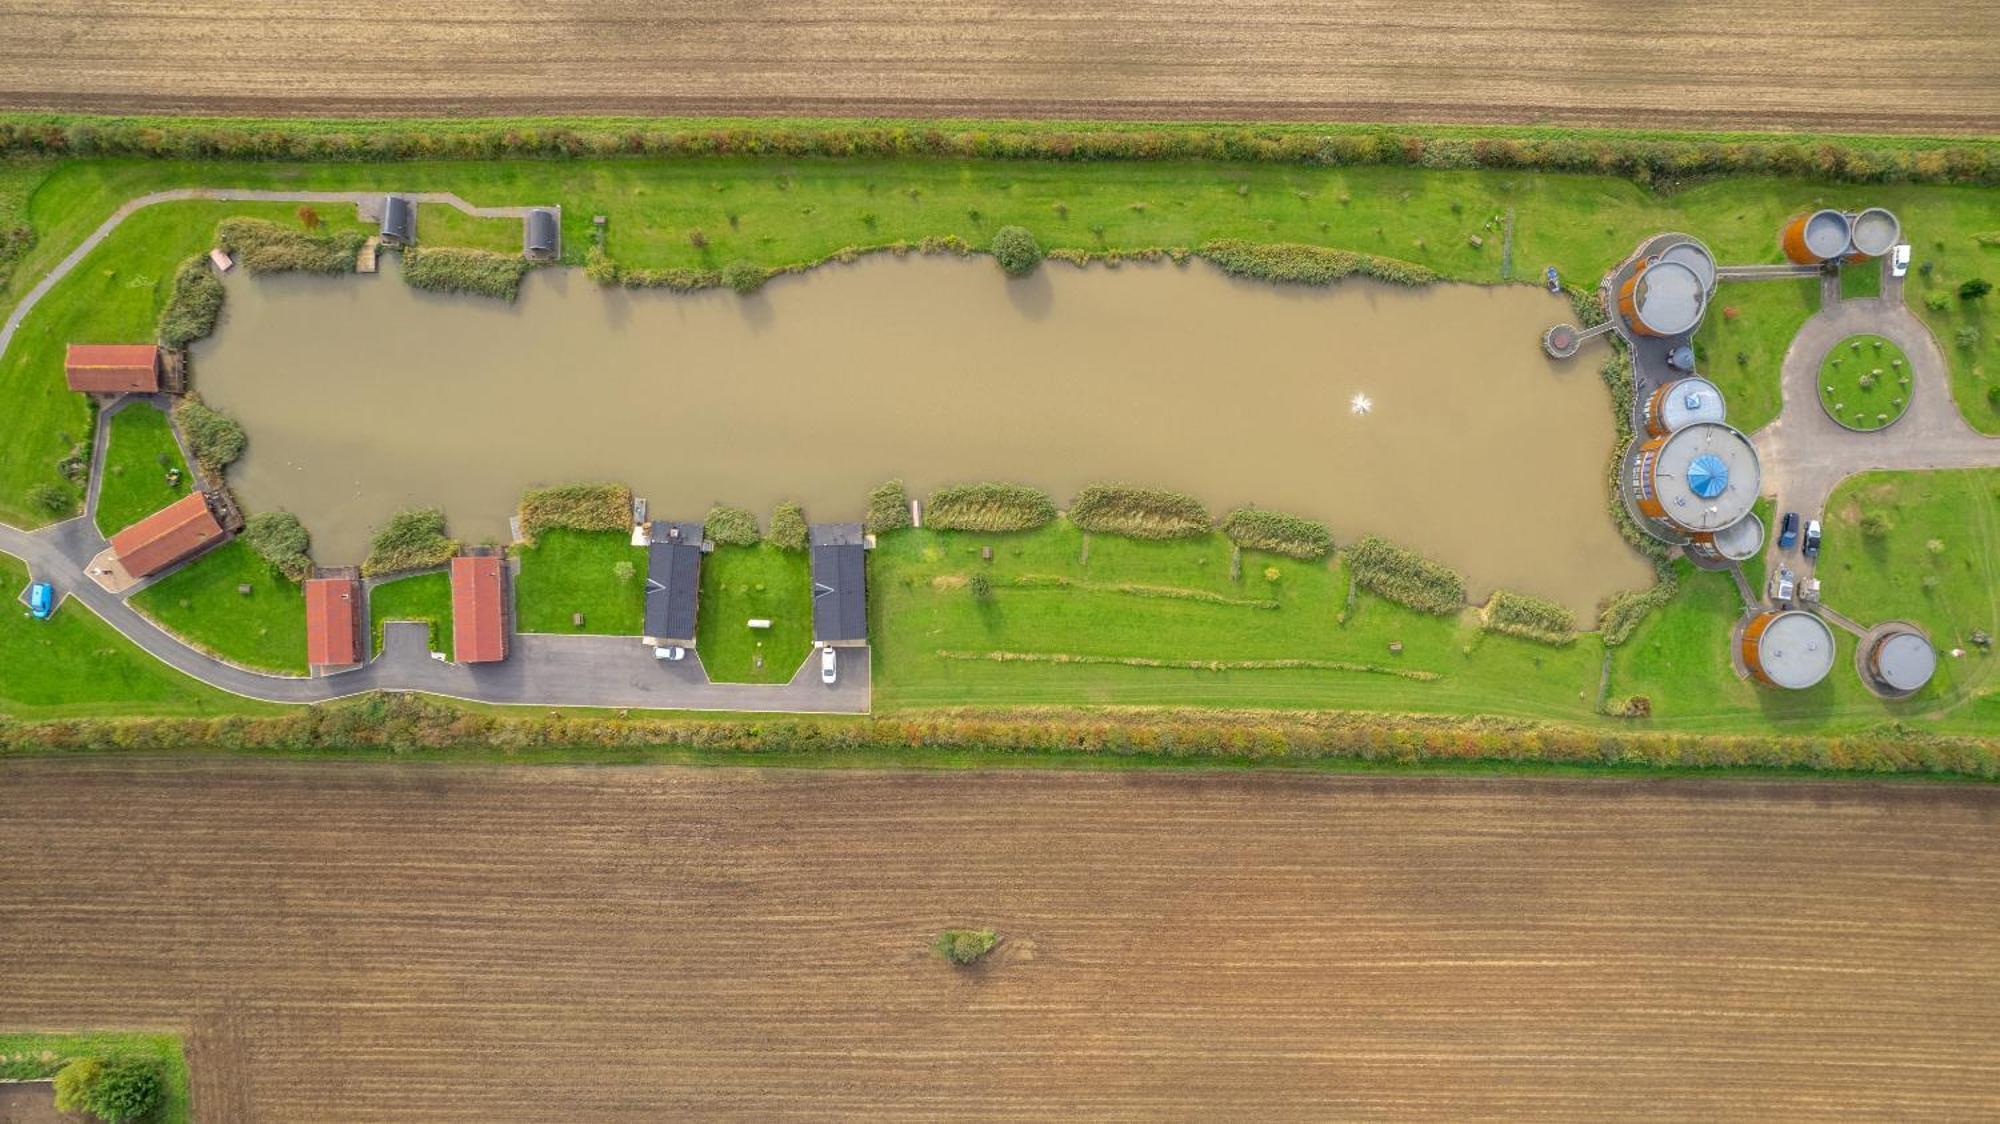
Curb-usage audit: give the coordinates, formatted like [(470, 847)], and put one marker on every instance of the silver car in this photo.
[(827, 672)]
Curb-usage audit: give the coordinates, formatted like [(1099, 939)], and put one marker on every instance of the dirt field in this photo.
[(358, 942), (1920, 66)]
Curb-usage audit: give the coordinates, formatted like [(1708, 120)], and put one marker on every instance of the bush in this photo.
[(451, 269), (989, 507), (1405, 577), (265, 247), (1967, 336), (1876, 524), (965, 946), (1620, 614), (194, 305), (1973, 289), (731, 526), (412, 540), (980, 586), (1289, 535), (788, 527), (888, 508), (1140, 513), (280, 539), (744, 277), (1937, 300), (1296, 264), (114, 1091), (49, 498), (576, 507), (1016, 250), (1531, 618), (598, 266), (215, 438)]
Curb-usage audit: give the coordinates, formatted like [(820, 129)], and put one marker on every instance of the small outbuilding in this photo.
[(333, 623), (399, 221), (673, 584), (542, 234), (478, 609), (176, 532), (840, 590), (113, 368)]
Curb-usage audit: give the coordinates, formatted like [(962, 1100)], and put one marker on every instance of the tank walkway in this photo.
[(1765, 272)]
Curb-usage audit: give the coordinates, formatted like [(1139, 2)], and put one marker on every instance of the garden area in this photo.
[(598, 574), (127, 1077), (234, 605), (760, 582), (1864, 383), (1950, 287), (143, 470), (419, 597)]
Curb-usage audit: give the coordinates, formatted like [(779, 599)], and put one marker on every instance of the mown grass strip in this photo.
[(1192, 665)]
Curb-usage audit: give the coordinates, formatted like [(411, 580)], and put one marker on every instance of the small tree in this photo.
[(49, 498), (1016, 250), (308, 218), (980, 585), (625, 570), (1875, 524), (965, 946), (1937, 300), (744, 277), (1974, 289), (788, 527), (698, 239)]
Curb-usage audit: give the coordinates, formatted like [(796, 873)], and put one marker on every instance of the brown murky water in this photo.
[(363, 396)]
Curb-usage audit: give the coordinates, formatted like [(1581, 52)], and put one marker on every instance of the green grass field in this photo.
[(1940, 260), (742, 583), (1742, 344), (420, 597), (440, 224), (1860, 280), (138, 457), (1864, 382), (264, 630), (570, 572), (37, 1056)]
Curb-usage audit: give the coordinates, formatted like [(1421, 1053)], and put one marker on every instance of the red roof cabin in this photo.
[(113, 368), (181, 529), (333, 622), (478, 610)]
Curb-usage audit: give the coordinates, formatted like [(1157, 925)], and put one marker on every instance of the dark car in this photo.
[(1811, 546), (1788, 531)]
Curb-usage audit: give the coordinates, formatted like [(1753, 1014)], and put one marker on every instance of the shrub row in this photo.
[(215, 438), (280, 539), (1289, 535), (576, 507), (888, 508), (788, 527), (989, 507), (1621, 613), (261, 246), (1405, 577), (745, 277), (194, 305), (1532, 618), (1295, 664), (731, 526), (1141, 513), (412, 723), (452, 269), (1297, 264), (1140, 589), (1638, 155), (411, 540)]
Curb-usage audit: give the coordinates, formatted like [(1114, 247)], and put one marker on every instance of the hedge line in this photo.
[(989, 507), (261, 246), (410, 723), (1405, 577), (451, 269), (888, 508), (1531, 618), (1299, 264), (1640, 155), (1140, 513), (215, 438), (194, 305), (1621, 614), (731, 526), (1289, 535), (788, 527), (411, 540), (576, 507)]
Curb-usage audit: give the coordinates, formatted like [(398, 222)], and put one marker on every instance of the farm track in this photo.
[(367, 942), (1836, 65)]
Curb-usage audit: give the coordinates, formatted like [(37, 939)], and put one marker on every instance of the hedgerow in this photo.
[(194, 305), (261, 246), (788, 527), (888, 508), (1297, 264), (576, 507), (215, 438), (411, 540), (989, 507), (1405, 577), (1619, 615), (1140, 513), (280, 539), (453, 269), (731, 526), (1532, 618), (1295, 537)]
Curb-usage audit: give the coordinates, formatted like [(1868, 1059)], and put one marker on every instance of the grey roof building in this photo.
[(673, 583), (542, 234), (840, 590), (399, 221)]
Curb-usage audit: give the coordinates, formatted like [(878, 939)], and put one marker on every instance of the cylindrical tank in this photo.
[(1901, 661), (1701, 477), (1817, 237), (1737, 542), (1696, 257), (1662, 298), (1681, 403), (1872, 233), (1790, 649)]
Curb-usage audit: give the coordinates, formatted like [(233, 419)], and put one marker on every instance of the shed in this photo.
[(113, 368), (180, 530), (478, 609), (673, 583), (399, 221), (839, 577), (542, 233), (333, 622)]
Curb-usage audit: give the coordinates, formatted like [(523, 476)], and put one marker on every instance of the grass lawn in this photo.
[(569, 572), (440, 224), (1940, 261), (1860, 280), (421, 597), (265, 630), (1742, 344), (137, 459), (741, 583), (75, 665), (1864, 382), (29, 1057)]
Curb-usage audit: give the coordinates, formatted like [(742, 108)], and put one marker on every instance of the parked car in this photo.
[(1788, 531), (41, 601), (1783, 586), (827, 672), (671, 652), (1899, 263), (1811, 546)]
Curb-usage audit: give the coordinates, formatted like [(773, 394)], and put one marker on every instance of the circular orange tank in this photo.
[(1810, 239)]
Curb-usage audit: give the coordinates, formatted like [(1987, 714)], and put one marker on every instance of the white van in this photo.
[(826, 665)]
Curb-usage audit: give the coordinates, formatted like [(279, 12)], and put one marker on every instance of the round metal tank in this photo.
[(1817, 237), (1873, 233), (1902, 661), (1696, 257), (1792, 649), (1682, 403), (1662, 299), (1701, 478), (1737, 542)]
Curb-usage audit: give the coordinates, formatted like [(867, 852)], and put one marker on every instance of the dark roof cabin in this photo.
[(399, 221), (113, 368), (840, 592), (673, 583), (543, 234)]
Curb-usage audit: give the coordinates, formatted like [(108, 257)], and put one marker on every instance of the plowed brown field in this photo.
[(1918, 65), (359, 942)]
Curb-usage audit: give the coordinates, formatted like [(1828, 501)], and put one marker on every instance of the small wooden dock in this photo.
[(364, 261)]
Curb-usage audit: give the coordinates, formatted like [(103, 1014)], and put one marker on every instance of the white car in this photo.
[(672, 652), (827, 674), (1899, 263)]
